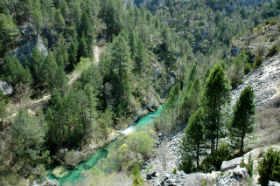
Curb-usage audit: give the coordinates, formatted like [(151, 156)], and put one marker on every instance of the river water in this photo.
[(75, 175)]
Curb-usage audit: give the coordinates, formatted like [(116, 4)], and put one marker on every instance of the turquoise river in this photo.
[(75, 175)]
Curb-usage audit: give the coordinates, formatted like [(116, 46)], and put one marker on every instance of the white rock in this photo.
[(273, 183)]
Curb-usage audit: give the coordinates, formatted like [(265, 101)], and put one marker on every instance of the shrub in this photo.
[(174, 170), (186, 164), (269, 167), (258, 61), (273, 50), (140, 142), (247, 68), (249, 166), (214, 161), (137, 179)]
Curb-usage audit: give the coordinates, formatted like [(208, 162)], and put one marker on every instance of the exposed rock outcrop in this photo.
[(235, 177), (6, 88)]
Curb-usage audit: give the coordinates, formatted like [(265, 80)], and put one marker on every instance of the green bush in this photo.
[(140, 142), (249, 166), (242, 164), (214, 161), (137, 179), (247, 68), (273, 50), (186, 164), (258, 61), (269, 167)]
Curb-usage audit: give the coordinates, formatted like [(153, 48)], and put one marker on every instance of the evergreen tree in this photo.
[(92, 77), (173, 102), (49, 72), (8, 32), (36, 15), (27, 139), (15, 73), (191, 97), (122, 68), (112, 17), (216, 96), (193, 138), (133, 44), (59, 23), (35, 66), (140, 57), (62, 56), (243, 116), (86, 30), (60, 78), (73, 54), (83, 48)]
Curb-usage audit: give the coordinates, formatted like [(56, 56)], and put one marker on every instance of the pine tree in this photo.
[(83, 48), (73, 54), (8, 32), (36, 15), (193, 138), (85, 30), (133, 44), (27, 141), (59, 21), (122, 68), (35, 66), (49, 72), (14, 72), (243, 116), (216, 96), (191, 98), (140, 57), (62, 56), (173, 102)]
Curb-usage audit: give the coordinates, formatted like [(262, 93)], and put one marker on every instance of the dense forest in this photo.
[(176, 53)]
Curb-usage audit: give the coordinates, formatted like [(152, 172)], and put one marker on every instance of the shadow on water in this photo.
[(75, 175)]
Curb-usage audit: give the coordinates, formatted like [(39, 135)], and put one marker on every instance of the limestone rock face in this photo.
[(273, 183), (6, 88), (226, 165), (235, 177)]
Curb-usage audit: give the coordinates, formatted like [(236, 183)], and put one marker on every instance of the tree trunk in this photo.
[(197, 155), (212, 145), (217, 139), (242, 141)]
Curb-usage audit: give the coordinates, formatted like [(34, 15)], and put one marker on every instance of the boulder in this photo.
[(273, 183), (60, 172), (72, 158), (6, 88), (226, 165), (233, 177)]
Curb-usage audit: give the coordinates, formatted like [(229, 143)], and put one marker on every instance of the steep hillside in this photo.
[(265, 80)]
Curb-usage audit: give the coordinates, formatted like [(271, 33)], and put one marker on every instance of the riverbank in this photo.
[(96, 151)]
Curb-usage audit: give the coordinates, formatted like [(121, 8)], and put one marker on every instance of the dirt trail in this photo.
[(96, 52)]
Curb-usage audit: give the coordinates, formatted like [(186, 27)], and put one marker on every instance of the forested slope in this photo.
[(67, 98)]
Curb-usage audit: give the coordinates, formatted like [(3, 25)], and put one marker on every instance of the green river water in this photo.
[(75, 176)]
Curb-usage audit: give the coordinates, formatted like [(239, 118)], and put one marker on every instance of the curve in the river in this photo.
[(75, 175)]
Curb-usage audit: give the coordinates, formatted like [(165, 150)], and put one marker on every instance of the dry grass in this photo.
[(267, 130)]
